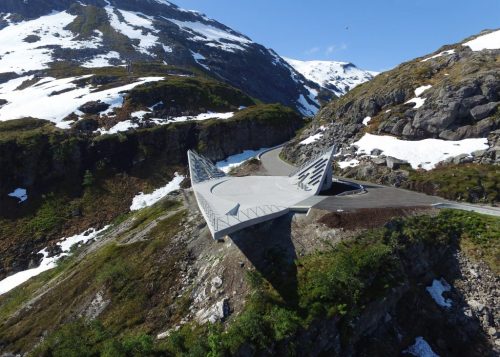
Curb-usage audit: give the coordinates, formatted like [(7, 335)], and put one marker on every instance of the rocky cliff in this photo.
[(451, 94)]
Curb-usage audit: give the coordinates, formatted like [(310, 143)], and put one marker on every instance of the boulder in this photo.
[(86, 125), (483, 111), (462, 159), (94, 107), (394, 163)]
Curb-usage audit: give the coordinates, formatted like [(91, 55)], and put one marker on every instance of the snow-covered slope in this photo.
[(339, 77), (37, 34)]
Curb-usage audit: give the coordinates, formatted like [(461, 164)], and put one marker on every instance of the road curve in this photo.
[(272, 165), (376, 196)]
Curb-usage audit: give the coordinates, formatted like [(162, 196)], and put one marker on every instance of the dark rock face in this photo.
[(462, 102), (65, 156), (94, 107), (232, 58)]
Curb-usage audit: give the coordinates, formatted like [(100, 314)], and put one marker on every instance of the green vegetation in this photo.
[(335, 284), (267, 112), (190, 93), (24, 129), (464, 182), (134, 277)]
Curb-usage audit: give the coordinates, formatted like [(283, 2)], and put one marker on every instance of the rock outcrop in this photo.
[(453, 94)]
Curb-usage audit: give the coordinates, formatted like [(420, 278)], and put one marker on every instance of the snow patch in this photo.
[(421, 349), (47, 262), (145, 200), (490, 41), (213, 36), (418, 102), (19, 193), (122, 126), (421, 89), (311, 139), (348, 163), (101, 60), (366, 120), (135, 26), (237, 160), (421, 153), (198, 57), (437, 289), (306, 107), (444, 53), (203, 116)]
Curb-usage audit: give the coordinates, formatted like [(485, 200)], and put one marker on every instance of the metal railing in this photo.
[(202, 169), (219, 222)]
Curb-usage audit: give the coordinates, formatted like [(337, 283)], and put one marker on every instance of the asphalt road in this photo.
[(376, 196), (272, 165)]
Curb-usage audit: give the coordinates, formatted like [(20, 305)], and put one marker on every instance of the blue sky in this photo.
[(375, 35)]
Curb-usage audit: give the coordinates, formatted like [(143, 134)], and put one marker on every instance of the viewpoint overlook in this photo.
[(287, 179)]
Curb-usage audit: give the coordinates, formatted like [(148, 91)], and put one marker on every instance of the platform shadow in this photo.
[(269, 247)]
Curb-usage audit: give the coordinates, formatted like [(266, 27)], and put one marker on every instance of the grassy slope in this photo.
[(465, 182), (335, 284), (135, 277)]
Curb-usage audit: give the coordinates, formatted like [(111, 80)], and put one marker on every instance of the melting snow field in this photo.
[(421, 348), (47, 262), (490, 41), (145, 200), (17, 55), (213, 36), (20, 194), (54, 99), (237, 160), (136, 26), (437, 289), (422, 153)]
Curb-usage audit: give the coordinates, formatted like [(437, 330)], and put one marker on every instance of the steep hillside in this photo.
[(156, 284), (74, 180), (339, 77), (97, 33), (438, 109)]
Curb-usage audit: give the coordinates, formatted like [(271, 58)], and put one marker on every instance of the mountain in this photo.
[(40, 35), (434, 112), (338, 77)]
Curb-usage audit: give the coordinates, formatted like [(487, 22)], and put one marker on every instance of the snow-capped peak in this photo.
[(339, 77)]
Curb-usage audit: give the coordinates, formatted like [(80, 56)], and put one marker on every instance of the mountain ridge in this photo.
[(336, 76), (116, 32)]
